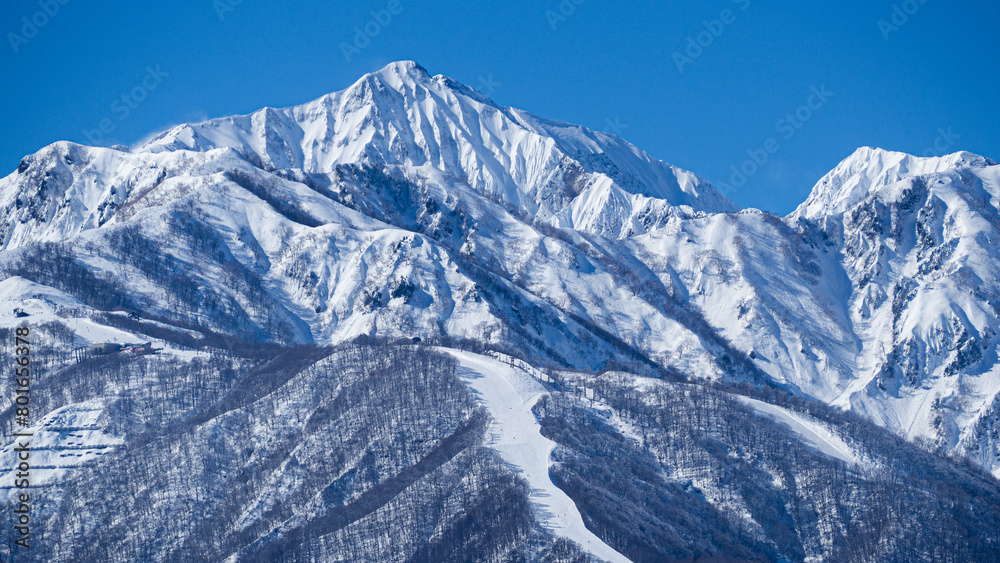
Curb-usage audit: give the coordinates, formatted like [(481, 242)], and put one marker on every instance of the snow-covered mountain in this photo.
[(409, 206), (401, 117), (869, 170), (878, 294), (917, 244)]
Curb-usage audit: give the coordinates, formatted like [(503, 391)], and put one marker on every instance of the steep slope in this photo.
[(879, 294), (401, 116), (919, 251)]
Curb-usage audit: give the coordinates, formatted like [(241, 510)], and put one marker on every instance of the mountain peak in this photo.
[(402, 71), (401, 116), (868, 169)]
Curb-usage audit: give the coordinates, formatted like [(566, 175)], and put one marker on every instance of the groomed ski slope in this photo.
[(509, 394), (811, 432)]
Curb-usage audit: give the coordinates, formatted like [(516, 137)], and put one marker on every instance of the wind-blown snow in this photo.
[(509, 393)]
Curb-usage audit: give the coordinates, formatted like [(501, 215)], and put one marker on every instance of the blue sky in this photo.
[(705, 85)]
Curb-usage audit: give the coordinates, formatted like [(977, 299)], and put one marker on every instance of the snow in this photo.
[(62, 441), (795, 298), (409, 119), (810, 430), (45, 304), (869, 169), (509, 393)]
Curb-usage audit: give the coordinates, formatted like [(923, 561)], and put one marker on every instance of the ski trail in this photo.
[(810, 431), (509, 394)]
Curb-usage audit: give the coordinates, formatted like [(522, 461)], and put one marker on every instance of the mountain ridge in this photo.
[(807, 313), (417, 276), (868, 169)]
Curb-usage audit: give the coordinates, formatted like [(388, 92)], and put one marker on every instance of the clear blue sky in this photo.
[(607, 65)]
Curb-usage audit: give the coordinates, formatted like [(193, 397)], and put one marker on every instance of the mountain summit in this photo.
[(869, 169), (400, 116)]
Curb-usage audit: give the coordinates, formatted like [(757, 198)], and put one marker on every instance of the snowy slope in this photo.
[(810, 431), (402, 116), (879, 294), (924, 269), (60, 442), (510, 393)]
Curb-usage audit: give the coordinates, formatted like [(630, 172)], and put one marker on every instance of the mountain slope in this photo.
[(401, 116), (411, 206), (920, 255)]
